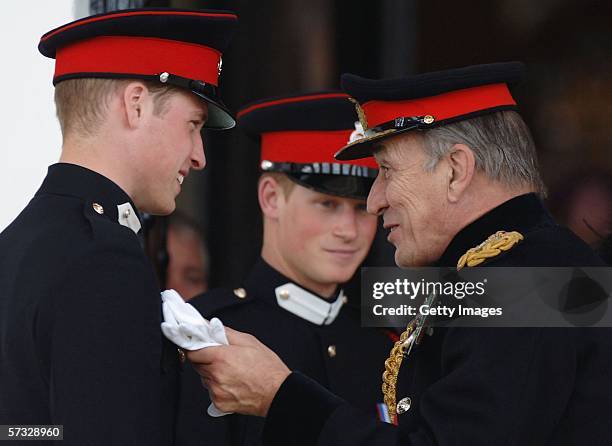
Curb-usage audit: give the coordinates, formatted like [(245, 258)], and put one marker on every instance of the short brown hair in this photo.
[(283, 180), (81, 104)]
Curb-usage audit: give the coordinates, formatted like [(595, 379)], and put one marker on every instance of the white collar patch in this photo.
[(308, 306), (127, 217)]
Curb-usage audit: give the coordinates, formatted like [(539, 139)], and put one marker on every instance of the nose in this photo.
[(346, 225), (377, 202), (198, 158)]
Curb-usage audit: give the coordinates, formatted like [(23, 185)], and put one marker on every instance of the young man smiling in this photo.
[(80, 344), (316, 233)]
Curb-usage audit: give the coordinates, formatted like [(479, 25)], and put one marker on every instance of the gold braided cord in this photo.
[(392, 367), (491, 247)]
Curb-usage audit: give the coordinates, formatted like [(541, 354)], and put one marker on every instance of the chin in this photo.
[(339, 275), (404, 261), (160, 209), (413, 260)]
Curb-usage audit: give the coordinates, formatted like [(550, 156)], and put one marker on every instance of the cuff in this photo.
[(299, 412)]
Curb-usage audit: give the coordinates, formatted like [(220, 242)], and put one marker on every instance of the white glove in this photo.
[(186, 327)]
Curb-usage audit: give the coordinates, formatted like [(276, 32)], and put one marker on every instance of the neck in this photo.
[(274, 258), (99, 156), (483, 196)]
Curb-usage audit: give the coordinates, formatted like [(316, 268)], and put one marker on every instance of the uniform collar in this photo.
[(106, 197), (523, 213), (276, 289)]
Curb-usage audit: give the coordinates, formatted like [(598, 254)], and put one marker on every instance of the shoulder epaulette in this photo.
[(491, 247), (219, 299)]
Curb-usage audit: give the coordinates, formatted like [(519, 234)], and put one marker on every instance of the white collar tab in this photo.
[(307, 305), (126, 216)]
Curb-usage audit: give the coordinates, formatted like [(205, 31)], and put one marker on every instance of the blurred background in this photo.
[(290, 46)]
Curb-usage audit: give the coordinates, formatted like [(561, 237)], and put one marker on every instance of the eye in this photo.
[(195, 279), (328, 204), (384, 171), (196, 124), (361, 207)]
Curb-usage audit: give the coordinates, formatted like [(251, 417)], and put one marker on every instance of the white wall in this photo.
[(30, 138)]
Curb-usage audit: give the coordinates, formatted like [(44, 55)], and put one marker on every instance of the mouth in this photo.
[(342, 253), (181, 177), (391, 226)]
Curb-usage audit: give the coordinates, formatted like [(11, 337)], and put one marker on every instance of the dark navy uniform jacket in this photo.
[(341, 356), (80, 313), (477, 386)]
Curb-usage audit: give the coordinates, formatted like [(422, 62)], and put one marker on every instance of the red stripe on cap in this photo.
[(313, 97), (308, 147), (138, 55), (135, 13), (442, 106)]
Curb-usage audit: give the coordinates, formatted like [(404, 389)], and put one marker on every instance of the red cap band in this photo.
[(138, 55), (308, 147), (442, 106)]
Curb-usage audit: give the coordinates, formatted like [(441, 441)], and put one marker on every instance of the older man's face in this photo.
[(411, 200)]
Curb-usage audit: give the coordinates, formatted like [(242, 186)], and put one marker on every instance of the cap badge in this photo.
[(356, 134), (361, 114)]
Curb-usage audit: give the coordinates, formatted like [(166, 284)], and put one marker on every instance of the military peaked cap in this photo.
[(176, 47), (389, 107), (299, 135)]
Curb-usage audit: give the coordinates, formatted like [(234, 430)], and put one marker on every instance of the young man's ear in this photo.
[(461, 164), (135, 100), (271, 196)]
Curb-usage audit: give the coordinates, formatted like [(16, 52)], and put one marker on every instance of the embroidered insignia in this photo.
[(361, 114), (491, 247), (356, 134)]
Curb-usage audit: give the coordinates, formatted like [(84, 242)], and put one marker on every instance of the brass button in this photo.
[(98, 208), (331, 351), (403, 405), (428, 119), (181, 355), (240, 293), (284, 294)]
